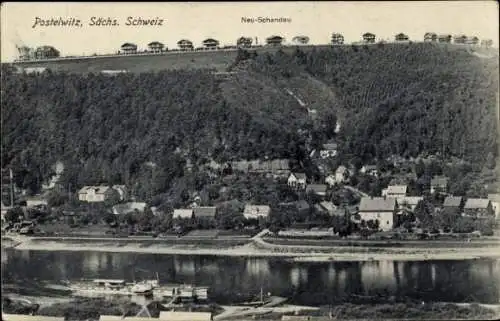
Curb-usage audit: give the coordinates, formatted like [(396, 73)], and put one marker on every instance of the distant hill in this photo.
[(405, 99)]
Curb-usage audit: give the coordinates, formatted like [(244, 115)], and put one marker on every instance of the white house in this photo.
[(439, 183), (410, 202), (330, 180), (341, 174), (256, 211), (379, 209), (396, 191), (329, 150), (495, 203), (297, 180), (183, 213), (97, 193), (370, 170), (130, 207)]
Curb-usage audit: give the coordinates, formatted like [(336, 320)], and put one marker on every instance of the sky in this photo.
[(223, 21)]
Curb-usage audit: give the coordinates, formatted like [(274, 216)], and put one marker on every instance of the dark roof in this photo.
[(155, 43), (299, 175), (302, 205), (368, 34), (275, 38), (377, 204), (210, 40), (128, 44), (184, 41), (208, 211), (452, 201)]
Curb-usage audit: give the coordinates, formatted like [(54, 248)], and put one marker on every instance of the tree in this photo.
[(14, 214), (56, 199)]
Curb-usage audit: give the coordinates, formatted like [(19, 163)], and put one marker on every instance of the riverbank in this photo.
[(259, 248)]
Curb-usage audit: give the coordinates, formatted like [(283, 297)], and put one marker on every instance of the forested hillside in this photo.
[(391, 99)]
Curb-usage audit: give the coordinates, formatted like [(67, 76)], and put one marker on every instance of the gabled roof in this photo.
[(155, 43), (206, 211), (316, 188), (184, 41), (494, 197), (97, 189), (209, 40), (477, 203), (368, 34), (328, 206), (452, 201), (183, 213), (128, 44), (411, 200), (377, 204), (439, 181), (299, 175), (330, 146), (397, 189)]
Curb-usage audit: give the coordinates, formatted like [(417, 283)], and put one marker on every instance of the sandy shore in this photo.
[(252, 250)]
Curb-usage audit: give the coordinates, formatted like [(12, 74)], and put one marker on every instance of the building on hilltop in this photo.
[(369, 37), (444, 38), (185, 44), (379, 209), (128, 48), (401, 37), (256, 211), (210, 43), (337, 39), (46, 52), (300, 40), (155, 46), (454, 203), (25, 53), (275, 41), (430, 37), (460, 39), (244, 42), (328, 150), (472, 40)]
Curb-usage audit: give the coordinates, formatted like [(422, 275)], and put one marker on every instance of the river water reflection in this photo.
[(232, 279)]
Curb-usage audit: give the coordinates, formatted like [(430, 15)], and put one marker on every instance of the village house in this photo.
[(185, 44), (395, 191), (341, 174), (444, 38), (401, 37), (368, 38), (329, 208), (329, 150), (46, 52), (274, 41), (460, 39), (410, 202), (379, 209), (472, 40), (370, 170), (97, 194), (495, 203), (478, 208), (300, 40), (337, 39), (439, 184), (128, 48), (244, 42), (183, 213), (256, 211), (297, 180), (155, 46), (210, 43), (130, 207), (430, 37), (317, 189), (453, 203), (205, 212), (36, 201)]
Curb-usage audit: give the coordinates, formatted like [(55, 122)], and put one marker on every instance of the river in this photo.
[(232, 278)]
